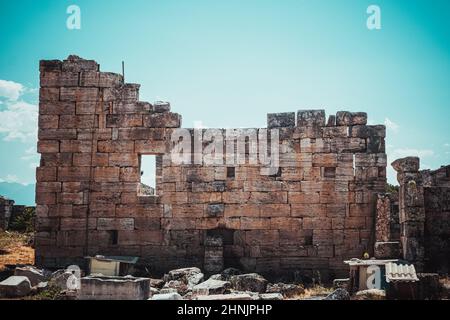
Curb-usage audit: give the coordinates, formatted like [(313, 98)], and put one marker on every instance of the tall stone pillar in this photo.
[(412, 210)]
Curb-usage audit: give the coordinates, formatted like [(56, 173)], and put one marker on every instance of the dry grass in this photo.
[(315, 291), (14, 249)]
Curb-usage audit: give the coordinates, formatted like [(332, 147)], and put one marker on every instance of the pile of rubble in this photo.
[(231, 284), (185, 283), (179, 284)]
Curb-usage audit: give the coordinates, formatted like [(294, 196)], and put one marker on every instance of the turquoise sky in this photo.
[(228, 63)]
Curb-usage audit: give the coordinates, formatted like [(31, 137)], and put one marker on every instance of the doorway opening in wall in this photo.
[(147, 167)]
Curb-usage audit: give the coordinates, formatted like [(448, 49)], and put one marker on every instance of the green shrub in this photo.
[(25, 221)]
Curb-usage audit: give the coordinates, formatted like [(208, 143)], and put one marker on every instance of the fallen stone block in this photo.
[(229, 272), (181, 273), (338, 294), (114, 288), (15, 286), (33, 274), (341, 283), (59, 279), (167, 296), (271, 296), (287, 290), (371, 294), (156, 283), (178, 285), (249, 282), (229, 297), (211, 286)]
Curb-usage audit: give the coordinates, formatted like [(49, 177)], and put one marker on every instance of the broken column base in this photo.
[(114, 288), (387, 250)]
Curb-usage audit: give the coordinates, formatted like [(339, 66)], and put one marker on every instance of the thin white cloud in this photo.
[(447, 145), (30, 153), (409, 152), (19, 121), (391, 125), (12, 178), (11, 90)]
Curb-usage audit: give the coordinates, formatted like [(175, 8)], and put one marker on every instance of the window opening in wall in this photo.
[(148, 175), (114, 237), (230, 172), (329, 172)]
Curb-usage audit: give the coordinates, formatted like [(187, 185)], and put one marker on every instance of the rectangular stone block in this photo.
[(77, 122), (115, 224), (57, 134), (106, 174), (304, 197), (56, 107), (123, 159), (77, 94), (49, 94), (76, 146), (278, 120), (123, 120), (73, 174), (311, 118), (162, 120), (48, 146), (45, 174), (48, 121), (345, 118)]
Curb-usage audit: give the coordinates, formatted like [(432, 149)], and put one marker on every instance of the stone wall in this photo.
[(437, 219), (315, 211), (6, 209), (424, 214)]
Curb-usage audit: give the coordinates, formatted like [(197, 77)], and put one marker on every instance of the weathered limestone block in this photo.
[(123, 120), (387, 250), (76, 64), (211, 286), (382, 226), (345, 118), (78, 94), (15, 286), (215, 210), (311, 118), (128, 92), (279, 120), (48, 95), (162, 120), (367, 131), (249, 282), (114, 288), (408, 164), (161, 106), (109, 79)]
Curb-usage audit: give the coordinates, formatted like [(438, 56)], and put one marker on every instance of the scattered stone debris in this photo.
[(226, 297), (338, 294), (341, 283), (33, 274), (167, 296), (287, 290), (271, 296), (249, 282), (211, 286), (156, 283)]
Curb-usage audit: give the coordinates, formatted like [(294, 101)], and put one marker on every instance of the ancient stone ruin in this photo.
[(317, 209)]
